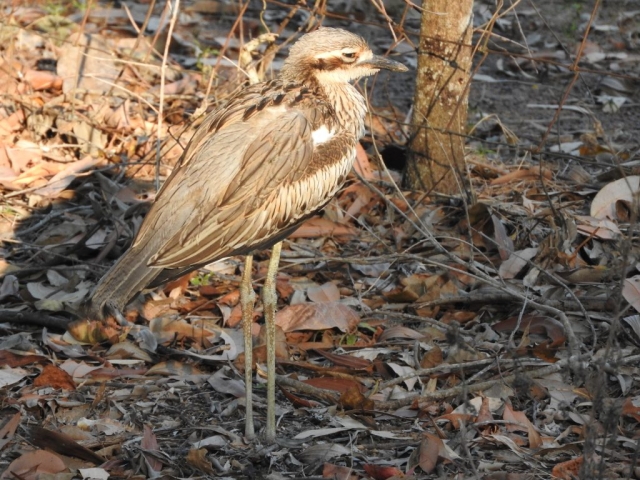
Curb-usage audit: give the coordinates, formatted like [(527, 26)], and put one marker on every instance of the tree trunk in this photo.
[(436, 151)]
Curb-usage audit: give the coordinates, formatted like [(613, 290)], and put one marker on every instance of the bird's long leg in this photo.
[(247, 298), (269, 302)]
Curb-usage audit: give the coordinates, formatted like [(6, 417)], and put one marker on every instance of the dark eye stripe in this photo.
[(329, 63)]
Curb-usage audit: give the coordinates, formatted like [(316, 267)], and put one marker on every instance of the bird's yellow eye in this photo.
[(349, 55)]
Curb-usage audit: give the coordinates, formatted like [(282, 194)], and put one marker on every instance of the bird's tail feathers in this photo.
[(128, 277)]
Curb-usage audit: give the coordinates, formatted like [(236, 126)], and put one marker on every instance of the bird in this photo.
[(254, 170)]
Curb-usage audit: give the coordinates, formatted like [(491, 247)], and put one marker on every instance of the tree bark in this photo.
[(436, 151)]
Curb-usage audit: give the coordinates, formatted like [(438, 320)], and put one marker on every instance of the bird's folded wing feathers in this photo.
[(249, 183)]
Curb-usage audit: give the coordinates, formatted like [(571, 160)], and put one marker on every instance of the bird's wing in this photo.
[(240, 186)]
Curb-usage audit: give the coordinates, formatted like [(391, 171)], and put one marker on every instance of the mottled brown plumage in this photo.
[(275, 154)]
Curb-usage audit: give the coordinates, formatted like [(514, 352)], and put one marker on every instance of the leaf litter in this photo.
[(416, 337)]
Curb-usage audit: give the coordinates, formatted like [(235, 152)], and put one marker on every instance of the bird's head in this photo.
[(333, 55)]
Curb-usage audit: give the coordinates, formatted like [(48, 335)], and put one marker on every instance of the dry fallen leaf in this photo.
[(197, 458), (325, 293), (321, 316), (54, 377), (322, 227), (31, 465), (535, 441), (605, 203)]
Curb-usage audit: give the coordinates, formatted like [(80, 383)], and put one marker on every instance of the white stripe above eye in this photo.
[(322, 135)]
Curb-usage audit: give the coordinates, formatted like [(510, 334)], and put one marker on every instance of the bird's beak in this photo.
[(383, 63)]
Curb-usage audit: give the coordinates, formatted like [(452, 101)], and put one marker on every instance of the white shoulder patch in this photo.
[(322, 135)]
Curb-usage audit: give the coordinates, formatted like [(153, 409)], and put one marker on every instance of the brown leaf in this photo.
[(379, 472), (150, 443), (54, 377), (568, 470), (456, 418), (337, 472), (535, 441), (429, 448), (623, 190), (325, 293), (321, 316), (30, 465), (362, 164), (297, 401), (198, 459), (484, 415), (12, 360), (336, 384), (42, 80), (9, 430), (400, 331), (535, 324), (353, 399), (260, 349), (432, 358), (173, 368), (631, 408), (322, 227), (523, 174), (350, 361)]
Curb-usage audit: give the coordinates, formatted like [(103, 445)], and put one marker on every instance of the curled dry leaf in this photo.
[(601, 228), (605, 203), (631, 291)]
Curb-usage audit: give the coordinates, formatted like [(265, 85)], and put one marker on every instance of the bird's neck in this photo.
[(349, 106)]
